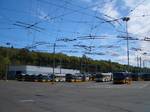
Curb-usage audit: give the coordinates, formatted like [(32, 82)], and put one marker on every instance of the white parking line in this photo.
[(144, 85), (132, 86), (24, 101)]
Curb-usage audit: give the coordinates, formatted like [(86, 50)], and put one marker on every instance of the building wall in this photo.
[(36, 70)]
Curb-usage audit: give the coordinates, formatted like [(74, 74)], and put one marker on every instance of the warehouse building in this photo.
[(36, 70)]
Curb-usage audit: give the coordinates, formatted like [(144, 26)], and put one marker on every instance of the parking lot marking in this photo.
[(108, 85), (137, 86), (24, 101), (144, 86)]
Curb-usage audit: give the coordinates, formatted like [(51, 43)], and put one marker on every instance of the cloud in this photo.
[(139, 24), (130, 3), (108, 9), (123, 59), (43, 15)]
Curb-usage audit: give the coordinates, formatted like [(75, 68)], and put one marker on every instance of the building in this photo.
[(36, 70)]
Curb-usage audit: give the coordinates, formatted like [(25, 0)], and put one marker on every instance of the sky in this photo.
[(25, 23)]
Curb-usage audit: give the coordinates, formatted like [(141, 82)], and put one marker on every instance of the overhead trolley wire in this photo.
[(71, 10)]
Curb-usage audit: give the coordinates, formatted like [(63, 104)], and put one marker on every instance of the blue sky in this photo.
[(71, 19)]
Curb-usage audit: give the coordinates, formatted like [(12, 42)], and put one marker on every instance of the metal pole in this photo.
[(143, 63), (126, 19), (87, 67), (53, 61), (127, 44), (137, 61), (6, 72), (96, 68), (81, 70), (60, 64), (140, 64)]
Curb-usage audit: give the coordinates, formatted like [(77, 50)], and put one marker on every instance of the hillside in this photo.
[(13, 56)]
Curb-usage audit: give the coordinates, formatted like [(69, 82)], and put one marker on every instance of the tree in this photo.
[(26, 57)]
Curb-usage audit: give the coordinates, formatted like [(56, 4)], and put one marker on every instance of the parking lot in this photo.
[(18, 96)]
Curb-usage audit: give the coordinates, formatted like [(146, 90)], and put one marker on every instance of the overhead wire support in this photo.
[(29, 26), (88, 37)]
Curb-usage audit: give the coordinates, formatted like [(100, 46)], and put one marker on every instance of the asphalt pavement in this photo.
[(18, 96)]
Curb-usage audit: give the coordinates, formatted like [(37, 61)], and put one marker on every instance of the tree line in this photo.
[(15, 56)]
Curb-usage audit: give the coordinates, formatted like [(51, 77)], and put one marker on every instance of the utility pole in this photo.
[(143, 63), (87, 65), (53, 61), (140, 64), (81, 65), (6, 72), (126, 19), (96, 70), (110, 65), (137, 61), (60, 64), (7, 64)]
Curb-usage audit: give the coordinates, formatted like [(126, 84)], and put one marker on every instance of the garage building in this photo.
[(36, 70)]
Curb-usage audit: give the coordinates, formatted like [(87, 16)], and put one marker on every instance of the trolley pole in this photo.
[(126, 19)]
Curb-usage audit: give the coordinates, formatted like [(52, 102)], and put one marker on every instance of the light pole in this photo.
[(140, 64), (53, 61), (60, 64), (126, 19), (137, 59), (7, 63)]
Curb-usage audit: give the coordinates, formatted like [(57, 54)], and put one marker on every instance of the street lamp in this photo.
[(54, 46), (7, 64), (126, 19)]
